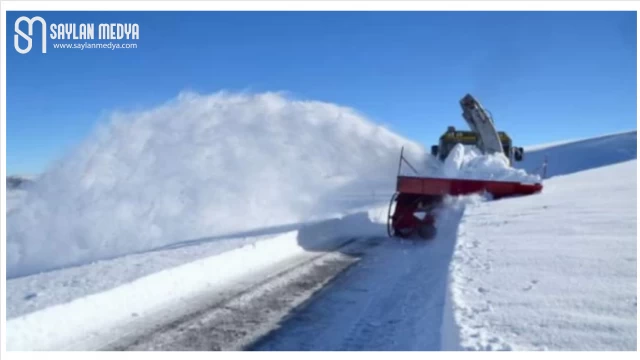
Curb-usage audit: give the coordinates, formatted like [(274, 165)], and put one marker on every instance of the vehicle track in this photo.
[(393, 299), (372, 293), (240, 320)]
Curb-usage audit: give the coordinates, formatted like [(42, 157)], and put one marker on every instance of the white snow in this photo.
[(170, 294), (467, 162), (554, 271), (392, 300), (584, 154)]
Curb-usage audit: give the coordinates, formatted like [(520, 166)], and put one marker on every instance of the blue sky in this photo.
[(544, 76)]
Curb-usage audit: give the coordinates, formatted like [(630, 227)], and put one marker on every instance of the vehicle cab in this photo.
[(452, 137)]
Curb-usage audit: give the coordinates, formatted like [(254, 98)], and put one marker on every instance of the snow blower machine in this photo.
[(412, 209)]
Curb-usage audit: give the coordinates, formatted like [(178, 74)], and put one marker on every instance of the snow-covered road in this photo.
[(393, 288), (394, 299), (243, 317), (385, 294), (160, 300)]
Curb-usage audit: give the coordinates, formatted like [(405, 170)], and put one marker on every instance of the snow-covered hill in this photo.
[(572, 156)]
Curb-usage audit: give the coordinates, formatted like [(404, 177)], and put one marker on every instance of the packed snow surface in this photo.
[(213, 166), (555, 271), (392, 300)]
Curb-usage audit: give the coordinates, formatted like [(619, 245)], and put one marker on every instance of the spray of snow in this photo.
[(199, 165), (214, 165)]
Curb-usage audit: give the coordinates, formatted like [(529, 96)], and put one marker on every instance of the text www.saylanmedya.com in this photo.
[(88, 45)]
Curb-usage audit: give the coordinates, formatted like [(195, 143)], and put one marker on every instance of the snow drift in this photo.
[(199, 165)]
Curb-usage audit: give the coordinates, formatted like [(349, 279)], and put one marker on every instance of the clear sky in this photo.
[(544, 76)]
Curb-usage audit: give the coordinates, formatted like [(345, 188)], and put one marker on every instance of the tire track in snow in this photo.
[(374, 294), (393, 299), (236, 322)]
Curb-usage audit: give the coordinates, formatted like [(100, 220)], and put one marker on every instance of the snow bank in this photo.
[(199, 165), (170, 294), (555, 271)]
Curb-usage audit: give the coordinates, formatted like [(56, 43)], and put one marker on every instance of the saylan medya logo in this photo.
[(72, 31)]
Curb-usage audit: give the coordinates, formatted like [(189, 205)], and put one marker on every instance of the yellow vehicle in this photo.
[(452, 137)]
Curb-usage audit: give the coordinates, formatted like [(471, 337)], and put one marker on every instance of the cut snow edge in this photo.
[(187, 287)]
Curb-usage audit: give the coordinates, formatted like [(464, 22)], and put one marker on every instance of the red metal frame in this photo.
[(456, 187), (412, 190)]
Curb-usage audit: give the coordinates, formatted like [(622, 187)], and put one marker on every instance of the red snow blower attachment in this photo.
[(412, 209), (416, 198)]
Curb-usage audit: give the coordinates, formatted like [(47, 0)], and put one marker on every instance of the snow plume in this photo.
[(197, 166)]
